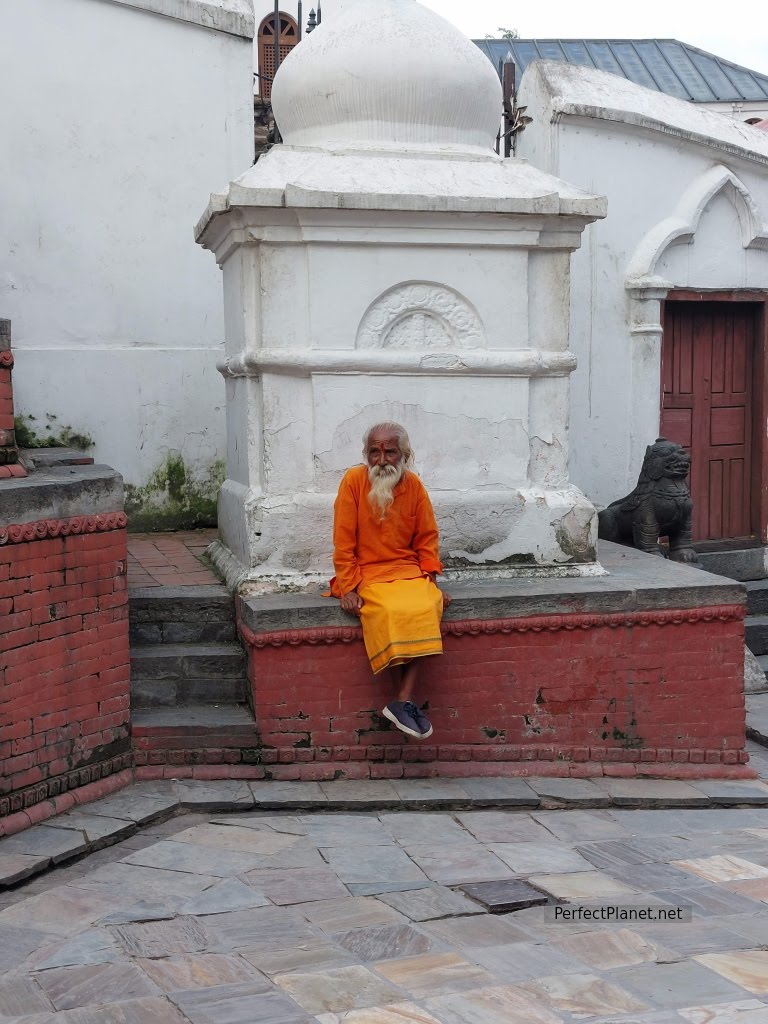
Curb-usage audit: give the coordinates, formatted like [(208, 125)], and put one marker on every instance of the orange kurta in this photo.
[(403, 547), (388, 564)]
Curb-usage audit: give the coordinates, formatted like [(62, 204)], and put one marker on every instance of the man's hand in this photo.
[(446, 596), (351, 603)]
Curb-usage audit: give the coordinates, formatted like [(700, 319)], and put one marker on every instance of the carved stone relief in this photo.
[(420, 314)]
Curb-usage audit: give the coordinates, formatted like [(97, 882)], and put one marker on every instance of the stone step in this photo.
[(756, 634), (757, 597), (196, 728), (163, 675), (208, 604), (167, 693), (742, 564), (184, 632)]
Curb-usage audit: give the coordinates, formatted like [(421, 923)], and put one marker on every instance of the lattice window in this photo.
[(289, 36)]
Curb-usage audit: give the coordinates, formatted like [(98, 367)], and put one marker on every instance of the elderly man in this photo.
[(386, 558)]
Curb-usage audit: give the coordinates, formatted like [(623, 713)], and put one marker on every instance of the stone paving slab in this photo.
[(71, 987), (194, 859), (503, 897), (55, 844), (196, 939), (224, 795), (652, 793), (15, 867), (93, 946), (344, 988), (431, 904), (17, 944), (98, 829), (570, 792), (140, 804), (290, 796), (253, 1002)]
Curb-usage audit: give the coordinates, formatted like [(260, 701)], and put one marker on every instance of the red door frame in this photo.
[(759, 511)]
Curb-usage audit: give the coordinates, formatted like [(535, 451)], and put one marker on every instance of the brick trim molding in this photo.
[(22, 533), (526, 624), (568, 757), (29, 796), (6, 359)]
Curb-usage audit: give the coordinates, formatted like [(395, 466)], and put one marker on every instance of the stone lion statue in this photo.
[(660, 506)]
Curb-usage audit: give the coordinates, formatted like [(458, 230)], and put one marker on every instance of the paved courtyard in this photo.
[(269, 917)]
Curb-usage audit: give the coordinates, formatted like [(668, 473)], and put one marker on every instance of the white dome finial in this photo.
[(386, 74)]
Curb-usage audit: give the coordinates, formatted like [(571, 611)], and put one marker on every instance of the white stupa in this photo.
[(385, 263)]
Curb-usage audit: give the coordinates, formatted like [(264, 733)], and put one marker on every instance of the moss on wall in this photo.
[(48, 433), (174, 498)]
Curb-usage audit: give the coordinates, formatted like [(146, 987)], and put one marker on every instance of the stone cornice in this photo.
[(490, 362), (529, 624), (233, 17), (21, 533)]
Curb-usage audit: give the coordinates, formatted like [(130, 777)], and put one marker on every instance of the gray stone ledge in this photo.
[(39, 848), (233, 17), (61, 493), (635, 582)]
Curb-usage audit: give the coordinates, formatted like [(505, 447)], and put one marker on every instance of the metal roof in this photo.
[(665, 65)]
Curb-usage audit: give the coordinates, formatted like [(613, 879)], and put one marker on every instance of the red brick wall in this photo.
[(64, 662), (9, 464), (646, 693)]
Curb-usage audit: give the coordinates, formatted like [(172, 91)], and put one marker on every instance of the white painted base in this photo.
[(285, 541)]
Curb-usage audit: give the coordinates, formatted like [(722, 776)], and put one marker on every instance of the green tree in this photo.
[(504, 33)]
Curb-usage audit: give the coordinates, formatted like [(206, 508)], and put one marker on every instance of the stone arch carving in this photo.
[(680, 227), (646, 290), (421, 314)]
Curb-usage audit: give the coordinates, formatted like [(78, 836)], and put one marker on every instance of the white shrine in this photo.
[(385, 263)]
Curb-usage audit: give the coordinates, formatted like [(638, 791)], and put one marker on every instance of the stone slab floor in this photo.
[(275, 917)]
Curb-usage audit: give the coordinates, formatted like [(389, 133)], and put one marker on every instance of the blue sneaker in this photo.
[(422, 722), (402, 714)]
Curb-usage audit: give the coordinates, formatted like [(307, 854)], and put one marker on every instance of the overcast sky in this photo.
[(738, 33)]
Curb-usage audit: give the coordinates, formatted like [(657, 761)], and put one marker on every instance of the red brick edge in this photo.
[(65, 801), (6, 359), (23, 801), (521, 624), (22, 533)]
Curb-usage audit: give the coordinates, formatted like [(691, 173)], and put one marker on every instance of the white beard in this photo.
[(384, 480)]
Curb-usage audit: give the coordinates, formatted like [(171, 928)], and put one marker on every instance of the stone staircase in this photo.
[(748, 565), (756, 623), (188, 678)]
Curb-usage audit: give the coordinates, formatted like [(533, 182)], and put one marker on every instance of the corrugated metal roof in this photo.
[(666, 65)]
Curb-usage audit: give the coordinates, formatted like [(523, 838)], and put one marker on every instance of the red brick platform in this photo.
[(639, 673), (64, 662)]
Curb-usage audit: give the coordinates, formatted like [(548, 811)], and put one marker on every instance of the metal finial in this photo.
[(319, 13), (312, 21)]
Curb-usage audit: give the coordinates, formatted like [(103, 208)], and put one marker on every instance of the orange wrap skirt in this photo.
[(400, 620)]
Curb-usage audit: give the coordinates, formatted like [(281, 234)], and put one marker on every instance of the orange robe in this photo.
[(388, 564)]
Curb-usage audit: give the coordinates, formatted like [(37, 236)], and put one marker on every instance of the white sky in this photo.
[(738, 33)]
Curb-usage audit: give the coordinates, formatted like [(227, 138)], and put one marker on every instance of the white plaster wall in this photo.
[(123, 122), (644, 174)]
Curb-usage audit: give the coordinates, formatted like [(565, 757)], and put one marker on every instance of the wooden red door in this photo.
[(707, 362)]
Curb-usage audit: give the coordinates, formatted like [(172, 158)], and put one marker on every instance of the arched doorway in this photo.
[(288, 37)]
